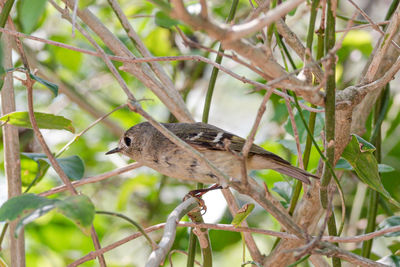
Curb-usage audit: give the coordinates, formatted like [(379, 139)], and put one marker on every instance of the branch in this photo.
[(255, 54), (331, 250), (28, 83), (169, 96), (157, 256), (12, 166), (182, 58), (248, 238), (295, 43), (93, 179), (239, 31)]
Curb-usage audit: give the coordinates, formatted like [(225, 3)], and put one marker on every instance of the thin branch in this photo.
[(250, 139), (93, 179), (158, 255), (364, 26), (248, 238), (382, 47), (28, 83), (295, 43), (155, 66), (182, 58), (77, 136), (169, 96), (295, 134), (239, 31), (103, 55), (374, 25)]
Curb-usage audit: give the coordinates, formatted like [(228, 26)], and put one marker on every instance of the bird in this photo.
[(148, 146)]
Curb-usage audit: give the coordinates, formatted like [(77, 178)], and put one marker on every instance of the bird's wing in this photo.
[(204, 136)]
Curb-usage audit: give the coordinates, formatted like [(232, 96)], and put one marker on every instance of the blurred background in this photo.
[(88, 91)]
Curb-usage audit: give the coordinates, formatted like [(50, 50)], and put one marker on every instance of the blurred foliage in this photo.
[(142, 194)]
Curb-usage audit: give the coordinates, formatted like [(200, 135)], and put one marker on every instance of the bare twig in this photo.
[(155, 66), (169, 96), (250, 139), (248, 238), (231, 228), (103, 55), (364, 26), (294, 42), (267, 86), (158, 255), (295, 134), (93, 179), (77, 136), (239, 31), (373, 24)]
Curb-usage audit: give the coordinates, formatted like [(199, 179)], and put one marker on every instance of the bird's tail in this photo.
[(295, 172)]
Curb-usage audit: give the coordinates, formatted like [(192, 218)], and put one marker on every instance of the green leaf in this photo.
[(30, 207), (44, 120), (80, 210), (284, 189), (29, 170), (385, 168), (165, 21), (52, 86), (38, 212), (242, 214), (359, 153), (29, 13), (72, 166), (20, 205), (390, 222)]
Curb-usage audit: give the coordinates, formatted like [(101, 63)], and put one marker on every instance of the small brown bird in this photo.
[(145, 144)]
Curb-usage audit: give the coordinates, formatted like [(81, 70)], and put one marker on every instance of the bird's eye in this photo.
[(127, 141)]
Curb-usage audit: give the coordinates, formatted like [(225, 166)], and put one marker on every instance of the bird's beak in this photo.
[(112, 151)]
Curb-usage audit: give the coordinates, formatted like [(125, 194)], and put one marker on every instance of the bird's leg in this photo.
[(200, 192)]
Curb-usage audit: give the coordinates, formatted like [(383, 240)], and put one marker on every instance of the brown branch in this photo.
[(236, 32), (248, 238), (93, 179), (374, 25), (155, 66), (295, 43), (77, 136), (295, 134), (250, 139), (231, 228), (12, 166), (169, 96), (103, 55), (255, 54), (181, 58), (157, 256), (28, 83)]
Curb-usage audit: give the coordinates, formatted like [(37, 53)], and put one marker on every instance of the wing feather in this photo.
[(205, 136)]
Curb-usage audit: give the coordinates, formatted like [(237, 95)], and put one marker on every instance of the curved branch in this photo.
[(158, 255)]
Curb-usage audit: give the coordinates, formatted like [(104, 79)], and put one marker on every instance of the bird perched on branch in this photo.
[(145, 144)]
